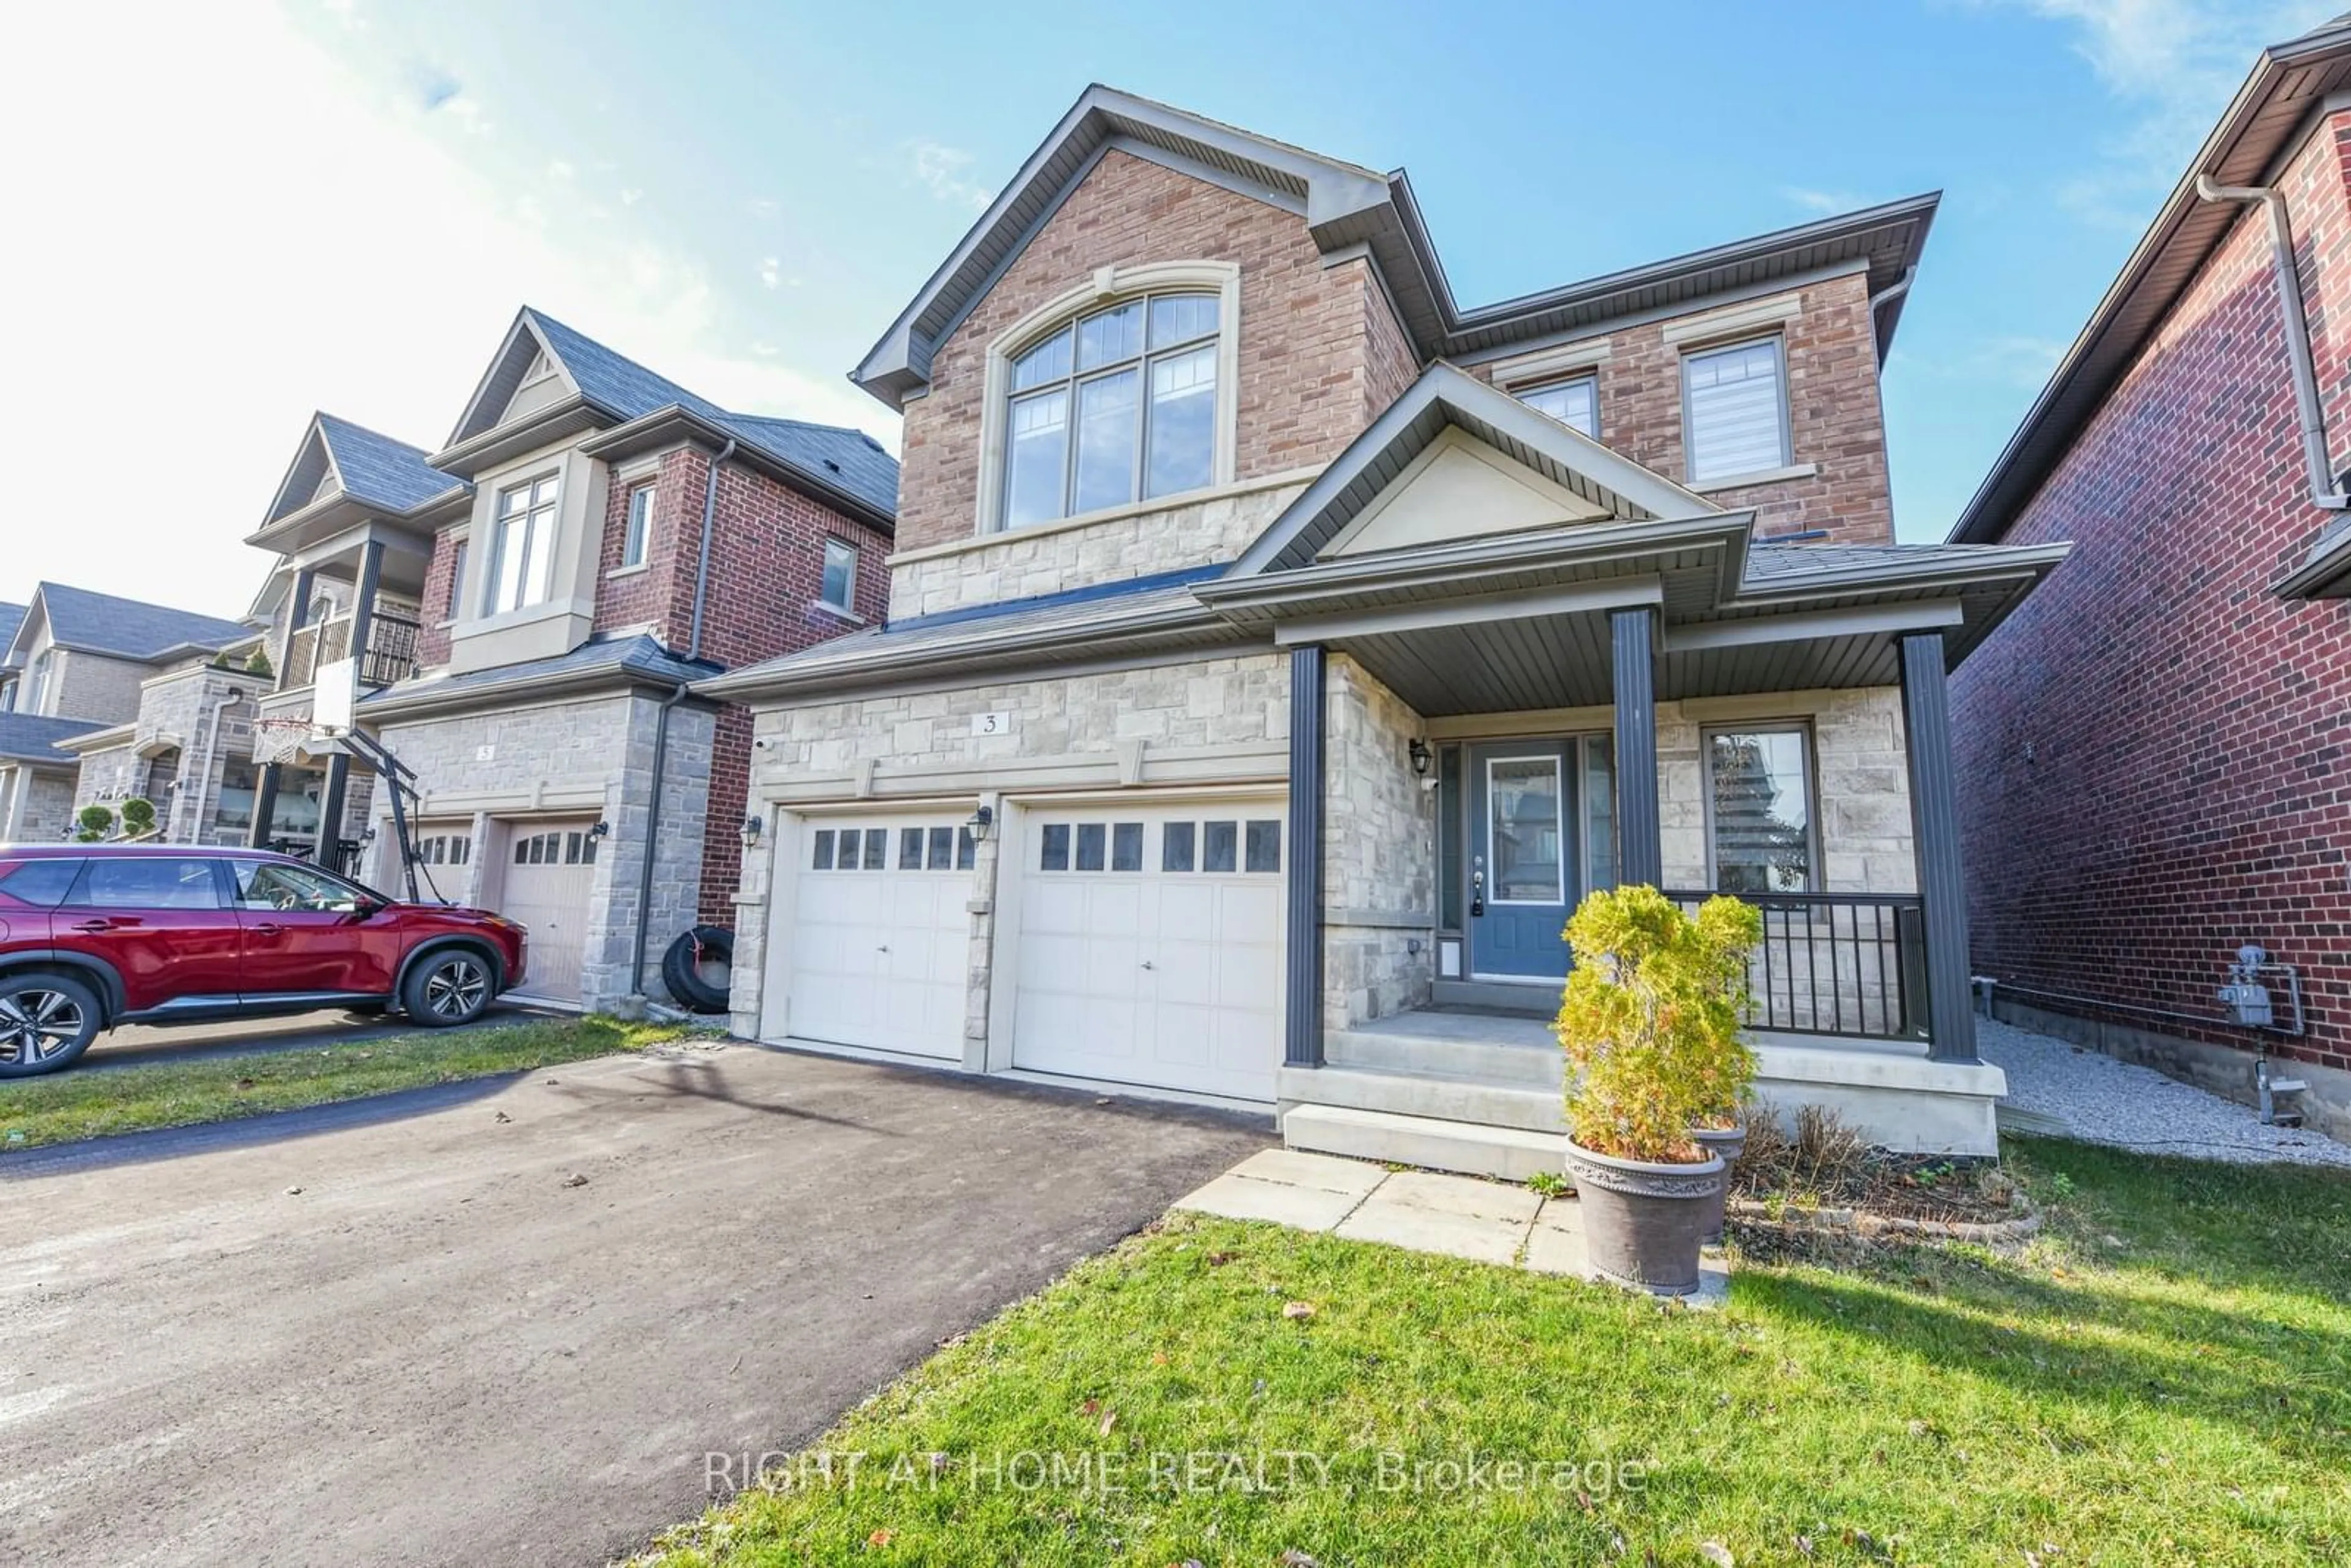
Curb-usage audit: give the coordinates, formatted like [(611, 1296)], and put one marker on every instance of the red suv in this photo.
[(92, 935)]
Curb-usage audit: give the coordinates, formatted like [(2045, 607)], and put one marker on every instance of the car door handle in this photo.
[(269, 928), (95, 926)]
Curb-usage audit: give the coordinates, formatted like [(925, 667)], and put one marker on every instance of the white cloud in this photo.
[(1826, 202), (303, 238), (770, 272), (945, 169)]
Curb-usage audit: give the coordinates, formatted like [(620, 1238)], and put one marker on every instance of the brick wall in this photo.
[(440, 585), (1834, 420), (1310, 378), (2154, 752)]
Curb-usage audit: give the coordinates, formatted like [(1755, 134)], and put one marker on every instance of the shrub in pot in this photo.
[(92, 823), (138, 818), (1650, 1023)]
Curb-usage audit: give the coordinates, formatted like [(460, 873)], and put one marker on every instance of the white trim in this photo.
[(1760, 476), (1107, 286), (1714, 328), (1617, 593), (1550, 364)]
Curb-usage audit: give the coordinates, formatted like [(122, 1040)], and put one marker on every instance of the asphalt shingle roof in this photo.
[(379, 471), (1767, 562), (30, 738), (11, 617), (848, 459), (638, 655), (103, 624)]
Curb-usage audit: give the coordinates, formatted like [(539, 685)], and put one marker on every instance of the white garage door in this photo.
[(1150, 945), (880, 948), (549, 869)]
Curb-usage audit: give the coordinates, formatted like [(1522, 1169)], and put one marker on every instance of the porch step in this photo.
[(1497, 995), (1395, 1051), (1441, 1096), (1512, 1154)]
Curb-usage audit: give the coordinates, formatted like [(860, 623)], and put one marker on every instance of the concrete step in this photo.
[(1447, 1097), (1388, 1052), (1512, 1154)]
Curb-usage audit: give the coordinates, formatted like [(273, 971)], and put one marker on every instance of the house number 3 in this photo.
[(991, 724)]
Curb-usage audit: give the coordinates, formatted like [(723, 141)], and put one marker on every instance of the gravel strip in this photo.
[(2102, 1100)]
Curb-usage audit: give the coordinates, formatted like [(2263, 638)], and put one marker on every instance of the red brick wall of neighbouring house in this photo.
[(766, 569), (432, 636), (2155, 751), (1834, 420), (1309, 380)]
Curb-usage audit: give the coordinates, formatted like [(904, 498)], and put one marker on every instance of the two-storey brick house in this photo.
[(2153, 752), (1275, 648)]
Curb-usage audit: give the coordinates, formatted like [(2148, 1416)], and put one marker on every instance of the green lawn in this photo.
[(81, 1102), (2164, 1378)]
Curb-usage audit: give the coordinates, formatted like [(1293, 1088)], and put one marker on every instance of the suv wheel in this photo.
[(46, 1021), (451, 987)]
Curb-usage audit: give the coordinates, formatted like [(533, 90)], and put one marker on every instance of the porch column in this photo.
[(1935, 830), (265, 806), (298, 609), (330, 812), (1303, 1012), (364, 602), (1640, 847)]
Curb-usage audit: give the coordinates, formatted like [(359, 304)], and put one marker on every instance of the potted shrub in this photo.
[(1650, 1023), (92, 823), (138, 818)]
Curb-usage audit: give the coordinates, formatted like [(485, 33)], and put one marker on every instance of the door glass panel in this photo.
[(1176, 846), (849, 842), (942, 847), (1599, 811), (967, 850), (1264, 846), (1523, 827), (1056, 855), (1219, 842), (1450, 814), (823, 861), (1126, 846), (877, 848), (910, 849), (1090, 846)]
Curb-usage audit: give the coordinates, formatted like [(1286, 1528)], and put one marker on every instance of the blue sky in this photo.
[(275, 206)]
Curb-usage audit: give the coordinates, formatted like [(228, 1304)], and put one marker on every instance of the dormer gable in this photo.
[(526, 376)]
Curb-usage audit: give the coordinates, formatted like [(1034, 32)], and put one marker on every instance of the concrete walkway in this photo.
[(1425, 1212)]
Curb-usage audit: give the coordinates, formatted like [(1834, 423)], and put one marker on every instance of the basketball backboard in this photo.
[(333, 690)]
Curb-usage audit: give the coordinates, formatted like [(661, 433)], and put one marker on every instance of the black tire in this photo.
[(449, 988), (682, 967), (47, 1021)]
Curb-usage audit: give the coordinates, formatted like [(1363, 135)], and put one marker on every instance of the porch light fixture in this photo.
[(752, 827), (1421, 757), (981, 820), (602, 829)]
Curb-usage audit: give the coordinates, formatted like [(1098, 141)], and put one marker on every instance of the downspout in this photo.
[(660, 726), (2325, 490), (1891, 292)]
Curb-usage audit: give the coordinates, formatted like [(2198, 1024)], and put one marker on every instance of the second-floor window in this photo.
[(456, 578), (1116, 406), (1735, 410), (1575, 403), (839, 589), (639, 528), (522, 546), (37, 684)]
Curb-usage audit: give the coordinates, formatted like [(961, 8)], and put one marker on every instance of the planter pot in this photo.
[(1729, 1143), (1643, 1223)]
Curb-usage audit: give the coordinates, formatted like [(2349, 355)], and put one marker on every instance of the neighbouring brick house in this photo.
[(113, 698), (2154, 752), (1275, 649), (593, 538)]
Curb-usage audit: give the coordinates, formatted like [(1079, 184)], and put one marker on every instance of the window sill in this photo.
[(837, 613), (1758, 477), (626, 571)]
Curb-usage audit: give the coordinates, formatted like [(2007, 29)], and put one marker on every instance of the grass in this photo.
[(82, 1103), (2164, 1378)]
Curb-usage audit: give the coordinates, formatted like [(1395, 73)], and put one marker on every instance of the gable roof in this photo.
[(1346, 204), (367, 466), (2286, 87), (32, 737), (1445, 396), (610, 384), (128, 628)]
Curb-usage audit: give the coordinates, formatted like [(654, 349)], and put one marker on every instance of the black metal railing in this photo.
[(391, 650), (1836, 963), (343, 856)]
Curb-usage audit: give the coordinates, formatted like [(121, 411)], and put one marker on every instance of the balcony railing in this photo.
[(391, 654), (1836, 963), (391, 650)]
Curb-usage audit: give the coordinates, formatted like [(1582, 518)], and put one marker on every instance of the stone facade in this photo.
[(2151, 749), (1379, 843), (1310, 377), (36, 804), (589, 756), (91, 686), (1051, 558)]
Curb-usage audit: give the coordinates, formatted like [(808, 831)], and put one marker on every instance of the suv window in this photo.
[(41, 884), (266, 884), (147, 881)]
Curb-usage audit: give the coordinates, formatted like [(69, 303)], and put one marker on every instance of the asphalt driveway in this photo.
[(415, 1336)]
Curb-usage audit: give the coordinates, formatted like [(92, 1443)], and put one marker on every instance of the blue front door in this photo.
[(1522, 858)]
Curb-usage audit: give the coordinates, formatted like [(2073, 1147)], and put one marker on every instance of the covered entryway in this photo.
[(879, 952), (1150, 943), (550, 872)]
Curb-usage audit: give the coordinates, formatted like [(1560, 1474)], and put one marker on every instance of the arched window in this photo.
[(1116, 406)]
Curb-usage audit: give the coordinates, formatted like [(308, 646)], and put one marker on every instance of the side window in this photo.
[(265, 884), (1735, 407), (639, 528), (1759, 810), (840, 589), (1575, 403), (146, 882), (42, 883), (456, 581)]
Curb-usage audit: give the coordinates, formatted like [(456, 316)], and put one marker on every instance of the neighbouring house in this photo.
[(1277, 652), (116, 698), (2154, 752), (527, 608)]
